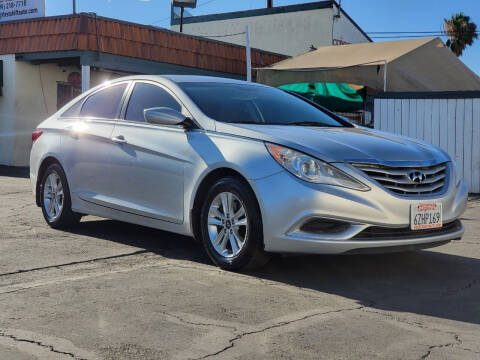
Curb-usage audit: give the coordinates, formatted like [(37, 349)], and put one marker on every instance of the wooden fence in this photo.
[(448, 120)]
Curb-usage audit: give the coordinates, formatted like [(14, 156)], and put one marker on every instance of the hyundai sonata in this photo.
[(246, 169)]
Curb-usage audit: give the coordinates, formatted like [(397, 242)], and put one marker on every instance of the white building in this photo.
[(289, 30)]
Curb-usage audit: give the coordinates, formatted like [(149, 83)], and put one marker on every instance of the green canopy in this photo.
[(335, 97)]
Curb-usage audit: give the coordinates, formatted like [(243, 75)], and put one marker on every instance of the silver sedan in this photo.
[(246, 169)]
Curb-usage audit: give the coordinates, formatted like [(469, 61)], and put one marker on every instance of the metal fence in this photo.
[(450, 120), (358, 117)]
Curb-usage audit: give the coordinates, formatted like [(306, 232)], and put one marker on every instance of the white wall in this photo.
[(345, 30), (99, 77), (35, 100), (452, 124), (288, 33), (30, 96), (7, 110)]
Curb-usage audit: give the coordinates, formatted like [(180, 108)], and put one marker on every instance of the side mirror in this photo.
[(163, 116)]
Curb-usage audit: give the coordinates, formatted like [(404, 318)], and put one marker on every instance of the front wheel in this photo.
[(55, 196), (232, 230)]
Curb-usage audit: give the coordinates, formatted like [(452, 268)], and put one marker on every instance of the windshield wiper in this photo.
[(307, 123), (245, 122)]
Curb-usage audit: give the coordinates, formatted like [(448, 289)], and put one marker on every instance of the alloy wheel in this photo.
[(227, 224), (53, 197)]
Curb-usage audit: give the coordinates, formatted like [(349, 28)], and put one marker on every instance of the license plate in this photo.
[(426, 216)]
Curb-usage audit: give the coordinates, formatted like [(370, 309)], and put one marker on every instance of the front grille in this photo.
[(397, 179), (383, 233)]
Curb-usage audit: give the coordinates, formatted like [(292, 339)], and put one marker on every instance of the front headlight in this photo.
[(312, 170), (456, 173)]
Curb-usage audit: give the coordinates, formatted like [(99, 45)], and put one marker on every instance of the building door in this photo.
[(69, 90), (66, 92)]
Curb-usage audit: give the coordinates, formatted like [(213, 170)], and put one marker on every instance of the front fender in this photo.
[(248, 156), (212, 151)]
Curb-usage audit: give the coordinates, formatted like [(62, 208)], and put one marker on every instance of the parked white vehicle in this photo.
[(244, 168)]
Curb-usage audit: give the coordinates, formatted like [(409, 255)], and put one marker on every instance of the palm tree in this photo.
[(462, 32)]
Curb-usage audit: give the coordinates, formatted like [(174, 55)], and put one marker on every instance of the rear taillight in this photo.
[(36, 134)]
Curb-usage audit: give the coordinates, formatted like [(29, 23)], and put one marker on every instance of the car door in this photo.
[(87, 145), (148, 161)]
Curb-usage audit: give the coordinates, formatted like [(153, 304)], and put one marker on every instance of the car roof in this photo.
[(186, 78)]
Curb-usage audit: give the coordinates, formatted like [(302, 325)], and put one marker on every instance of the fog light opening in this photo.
[(324, 226)]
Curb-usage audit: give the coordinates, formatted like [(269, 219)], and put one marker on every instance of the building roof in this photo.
[(266, 11), (88, 32), (255, 12)]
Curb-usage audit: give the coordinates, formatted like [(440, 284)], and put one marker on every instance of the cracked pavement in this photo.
[(109, 290)]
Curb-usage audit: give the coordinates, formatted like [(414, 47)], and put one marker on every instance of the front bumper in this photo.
[(287, 203)]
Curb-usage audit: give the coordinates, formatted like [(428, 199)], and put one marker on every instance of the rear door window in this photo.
[(104, 104), (147, 96)]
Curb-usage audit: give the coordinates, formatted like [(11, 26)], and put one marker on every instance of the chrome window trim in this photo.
[(148, 125)]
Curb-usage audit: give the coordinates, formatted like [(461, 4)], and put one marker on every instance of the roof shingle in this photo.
[(87, 32)]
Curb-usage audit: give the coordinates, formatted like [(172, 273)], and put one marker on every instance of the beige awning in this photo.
[(424, 64)]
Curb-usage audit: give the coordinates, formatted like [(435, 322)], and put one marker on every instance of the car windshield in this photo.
[(253, 104)]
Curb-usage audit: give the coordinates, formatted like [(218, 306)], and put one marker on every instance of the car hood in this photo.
[(346, 144)]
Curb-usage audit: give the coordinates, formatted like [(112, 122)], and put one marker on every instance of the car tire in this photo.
[(55, 199), (232, 240)]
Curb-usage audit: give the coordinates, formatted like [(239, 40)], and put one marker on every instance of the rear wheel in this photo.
[(55, 199), (232, 231)]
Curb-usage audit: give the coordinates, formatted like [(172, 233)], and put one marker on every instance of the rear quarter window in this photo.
[(104, 104), (73, 111)]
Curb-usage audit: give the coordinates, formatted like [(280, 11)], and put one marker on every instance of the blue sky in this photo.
[(371, 15)]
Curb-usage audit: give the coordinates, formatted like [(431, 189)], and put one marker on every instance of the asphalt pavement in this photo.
[(110, 290)]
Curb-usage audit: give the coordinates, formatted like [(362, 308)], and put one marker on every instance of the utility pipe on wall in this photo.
[(182, 11), (385, 77), (249, 55)]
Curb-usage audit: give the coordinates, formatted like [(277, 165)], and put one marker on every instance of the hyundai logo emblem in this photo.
[(416, 177)]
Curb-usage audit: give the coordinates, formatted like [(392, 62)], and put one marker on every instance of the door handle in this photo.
[(120, 139)]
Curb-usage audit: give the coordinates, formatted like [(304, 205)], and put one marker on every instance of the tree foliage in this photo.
[(462, 32)]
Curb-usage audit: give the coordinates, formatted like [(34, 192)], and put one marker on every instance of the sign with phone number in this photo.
[(21, 9)]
